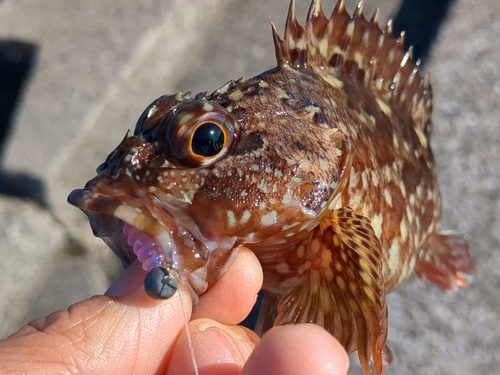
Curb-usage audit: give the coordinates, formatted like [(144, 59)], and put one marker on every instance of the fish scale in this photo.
[(321, 166)]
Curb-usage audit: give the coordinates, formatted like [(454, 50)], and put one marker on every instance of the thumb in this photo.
[(124, 331)]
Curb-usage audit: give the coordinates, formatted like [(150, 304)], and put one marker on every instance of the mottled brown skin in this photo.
[(406, 197), (324, 171), (388, 160)]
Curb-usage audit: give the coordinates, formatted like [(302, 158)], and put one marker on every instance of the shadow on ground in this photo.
[(421, 20), (17, 60)]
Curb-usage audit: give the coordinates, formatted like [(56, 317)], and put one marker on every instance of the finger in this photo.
[(129, 282), (297, 349), (102, 335), (216, 349), (231, 299)]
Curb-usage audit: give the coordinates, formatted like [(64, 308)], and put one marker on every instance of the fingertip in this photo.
[(231, 299), (216, 348), (298, 349)]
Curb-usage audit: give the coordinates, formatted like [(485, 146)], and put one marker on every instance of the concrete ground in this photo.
[(102, 62)]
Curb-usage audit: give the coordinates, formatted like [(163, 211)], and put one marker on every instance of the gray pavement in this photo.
[(100, 64)]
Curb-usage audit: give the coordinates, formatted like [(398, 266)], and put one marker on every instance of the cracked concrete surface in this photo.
[(102, 62)]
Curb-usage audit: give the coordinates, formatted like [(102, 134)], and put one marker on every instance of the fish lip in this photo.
[(108, 215)]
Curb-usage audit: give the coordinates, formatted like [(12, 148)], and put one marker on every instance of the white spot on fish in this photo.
[(269, 219), (263, 186), (282, 268), (394, 261), (186, 197), (235, 95), (384, 107), (388, 196), (353, 178), (377, 222), (412, 199), (231, 218), (208, 107), (404, 231), (287, 198), (419, 191), (185, 117), (245, 217), (402, 187), (388, 174), (364, 178)]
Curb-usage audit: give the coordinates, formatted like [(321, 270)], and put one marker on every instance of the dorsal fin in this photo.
[(352, 47)]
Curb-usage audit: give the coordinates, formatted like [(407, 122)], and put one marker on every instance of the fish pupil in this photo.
[(208, 139)]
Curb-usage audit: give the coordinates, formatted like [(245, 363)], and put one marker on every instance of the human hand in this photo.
[(126, 332)]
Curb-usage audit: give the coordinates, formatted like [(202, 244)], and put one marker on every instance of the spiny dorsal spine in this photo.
[(354, 48)]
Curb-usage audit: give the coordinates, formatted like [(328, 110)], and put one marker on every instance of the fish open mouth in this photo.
[(137, 229)]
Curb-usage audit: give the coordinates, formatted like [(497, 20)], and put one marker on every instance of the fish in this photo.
[(322, 166)]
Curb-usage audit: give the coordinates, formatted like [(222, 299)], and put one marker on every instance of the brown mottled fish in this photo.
[(321, 166)]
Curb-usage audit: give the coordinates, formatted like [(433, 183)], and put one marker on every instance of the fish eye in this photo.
[(208, 139), (200, 133)]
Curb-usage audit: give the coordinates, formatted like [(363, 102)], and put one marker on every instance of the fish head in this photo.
[(203, 175)]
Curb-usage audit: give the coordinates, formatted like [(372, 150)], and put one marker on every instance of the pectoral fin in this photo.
[(341, 287)]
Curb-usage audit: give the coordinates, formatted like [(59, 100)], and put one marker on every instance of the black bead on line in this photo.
[(160, 283)]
